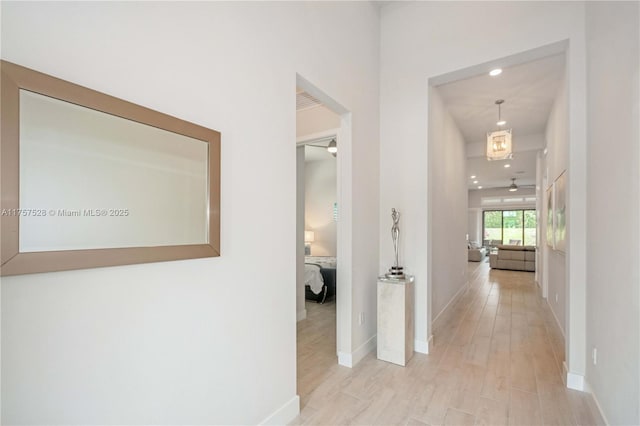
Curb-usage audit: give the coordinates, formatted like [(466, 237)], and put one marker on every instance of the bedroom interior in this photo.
[(317, 145), (317, 187), (320, 220), (320, 217), (317, 132)]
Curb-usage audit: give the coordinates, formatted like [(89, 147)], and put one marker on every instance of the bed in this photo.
[(320, 278)]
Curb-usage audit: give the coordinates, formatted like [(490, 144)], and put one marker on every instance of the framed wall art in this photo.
[(550, 217), (560, 212)]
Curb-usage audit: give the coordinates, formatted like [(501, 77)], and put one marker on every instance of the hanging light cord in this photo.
[(499, 102)]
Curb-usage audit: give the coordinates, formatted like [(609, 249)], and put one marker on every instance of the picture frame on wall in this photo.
[(560, 212), (550, 217)]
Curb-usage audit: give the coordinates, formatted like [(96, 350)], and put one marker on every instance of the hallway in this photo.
[(496, 359)]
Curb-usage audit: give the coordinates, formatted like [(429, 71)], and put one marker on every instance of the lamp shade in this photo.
[(309, 236)]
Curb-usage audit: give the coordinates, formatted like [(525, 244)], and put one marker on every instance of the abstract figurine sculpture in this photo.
[(395, 232), (396, 271)]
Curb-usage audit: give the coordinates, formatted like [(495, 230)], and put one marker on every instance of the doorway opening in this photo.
[(490, 204), (323, 241)]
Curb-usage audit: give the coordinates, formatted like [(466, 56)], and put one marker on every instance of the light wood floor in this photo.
[(496, 359)]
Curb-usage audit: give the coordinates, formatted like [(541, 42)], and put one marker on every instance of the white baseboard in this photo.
[(301, 315), (574, 381), (453, 299), (589, 389), (421, 346), (365, 348), (351, 359), (556, 318), (345, 359), (285, 414)]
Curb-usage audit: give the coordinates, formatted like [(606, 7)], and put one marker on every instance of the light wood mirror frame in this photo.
[(14, 262)]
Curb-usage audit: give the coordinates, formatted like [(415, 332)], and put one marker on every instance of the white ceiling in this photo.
[(528, 90), (315, 150), (493, 174)]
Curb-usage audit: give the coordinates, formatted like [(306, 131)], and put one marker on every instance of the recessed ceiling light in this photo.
[(473, 177), (506, 166), (495, 72), (501, 123), (475, 181), (480, 187)]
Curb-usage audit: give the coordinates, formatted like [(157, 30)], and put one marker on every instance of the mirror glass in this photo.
[(92, 180)]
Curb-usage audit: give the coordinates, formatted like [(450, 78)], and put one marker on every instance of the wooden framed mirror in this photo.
[(90, 180)]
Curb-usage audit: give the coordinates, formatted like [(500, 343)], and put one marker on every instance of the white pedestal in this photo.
[(395, 319)]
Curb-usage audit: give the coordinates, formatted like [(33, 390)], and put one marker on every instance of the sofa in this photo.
[(477, 254), (492, 243), (515, 258)]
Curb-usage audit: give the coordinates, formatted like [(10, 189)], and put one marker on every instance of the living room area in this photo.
[(508, 121), (509, 237)]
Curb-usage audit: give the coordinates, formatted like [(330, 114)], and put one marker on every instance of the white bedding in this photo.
[(313, 278), (324, 261)]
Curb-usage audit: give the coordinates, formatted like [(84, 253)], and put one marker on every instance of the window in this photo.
[(512, 200), (493, 225), (515, 227), (530, 222)]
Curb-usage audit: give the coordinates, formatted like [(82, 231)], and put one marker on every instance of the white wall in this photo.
[(474, 225), (315, 120), (320, 194), (301, 311), (613, 272), (207, 341), (421, 40), (555, 162), (448, 215)]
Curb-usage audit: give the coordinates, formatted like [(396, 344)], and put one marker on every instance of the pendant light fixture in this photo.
[(332, 147), (499, 141)]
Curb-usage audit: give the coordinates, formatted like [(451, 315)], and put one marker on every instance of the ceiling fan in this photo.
[(331, 147), (513, 187)]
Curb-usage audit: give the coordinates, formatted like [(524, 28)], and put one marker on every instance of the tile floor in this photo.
[(496, 359)]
